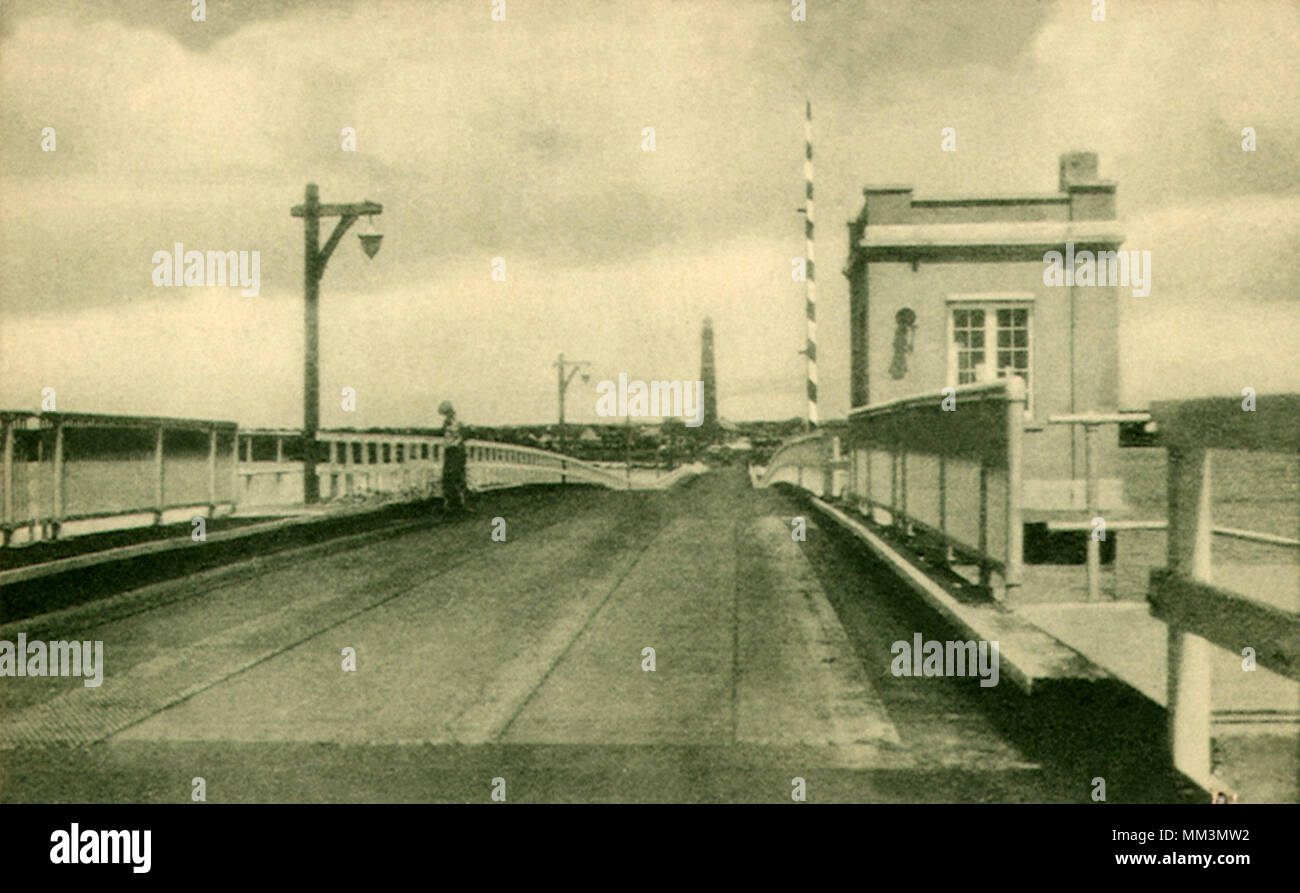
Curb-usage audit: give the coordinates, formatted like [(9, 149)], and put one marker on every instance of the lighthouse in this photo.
[(709, 428)]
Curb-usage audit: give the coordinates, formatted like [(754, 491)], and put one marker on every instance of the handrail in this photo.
[(180, 477), (167, 465), (924, 439), (1198, 613), (793, 453), (980, 424)]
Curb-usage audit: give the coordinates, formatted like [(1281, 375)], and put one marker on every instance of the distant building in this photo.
[(948, 291)]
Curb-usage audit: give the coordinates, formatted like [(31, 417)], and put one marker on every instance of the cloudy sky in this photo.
[(522, 139)]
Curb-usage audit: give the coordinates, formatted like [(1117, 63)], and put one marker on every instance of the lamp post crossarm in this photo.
[(349, 209)]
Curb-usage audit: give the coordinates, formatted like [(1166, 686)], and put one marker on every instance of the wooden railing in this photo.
[(1198, 612), (396, 463), (805, 461), (70, 473), (65, 468), (944, 470)]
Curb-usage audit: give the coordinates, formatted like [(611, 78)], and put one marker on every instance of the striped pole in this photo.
[(810, 351)]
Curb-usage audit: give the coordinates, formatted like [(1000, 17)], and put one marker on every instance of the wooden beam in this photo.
[(352, 209), (1188, 654), (1221, 423), (1230, 620)]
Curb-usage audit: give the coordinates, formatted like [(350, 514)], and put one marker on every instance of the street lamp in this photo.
[(563, 382), (315, 256)]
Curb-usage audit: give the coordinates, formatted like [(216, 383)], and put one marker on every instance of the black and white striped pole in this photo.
[(810, 303)]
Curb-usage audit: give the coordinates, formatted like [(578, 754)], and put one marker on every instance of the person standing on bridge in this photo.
[(454, 487)]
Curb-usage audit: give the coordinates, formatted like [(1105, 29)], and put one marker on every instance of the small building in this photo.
[(950, 291)]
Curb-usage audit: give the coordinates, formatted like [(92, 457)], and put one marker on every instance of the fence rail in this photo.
[(375, 463), (944, 469), (804, 461), (97, 471), (62, 468), (1197, 612)]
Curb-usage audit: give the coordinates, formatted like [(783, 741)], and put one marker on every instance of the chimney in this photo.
[(1078, 168), (1091, 198)]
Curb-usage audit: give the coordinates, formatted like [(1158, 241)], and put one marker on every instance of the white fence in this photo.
[(68, 471), (359, 464), (74, 473), (947, 480)]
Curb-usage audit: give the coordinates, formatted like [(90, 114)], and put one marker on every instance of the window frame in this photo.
[(991, 303)]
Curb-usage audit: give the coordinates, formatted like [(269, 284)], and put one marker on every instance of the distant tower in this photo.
[(709, 429)]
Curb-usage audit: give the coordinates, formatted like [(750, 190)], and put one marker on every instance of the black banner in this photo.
[(328, 843)]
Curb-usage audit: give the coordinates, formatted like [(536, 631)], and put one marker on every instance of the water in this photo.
[(1248, 491)]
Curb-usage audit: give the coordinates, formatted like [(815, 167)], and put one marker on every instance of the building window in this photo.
[(994, 337), (968, 339)]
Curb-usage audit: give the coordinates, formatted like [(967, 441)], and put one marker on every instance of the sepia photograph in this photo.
[(877, 402)]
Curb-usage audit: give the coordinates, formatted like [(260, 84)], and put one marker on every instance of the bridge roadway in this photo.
[(521, 660)]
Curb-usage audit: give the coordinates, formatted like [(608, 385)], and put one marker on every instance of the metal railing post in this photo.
[(234, 470), (866, 477), (158, 475), (902, 493), (946, 551), (986, 577), (1093, 506), (1189, 688), (56, 516), (1013, 576), (853, 475), (8, 483), (893, 488), (828, 466), (212, 471)]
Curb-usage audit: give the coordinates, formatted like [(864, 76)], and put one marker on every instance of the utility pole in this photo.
[(562, 381), (315, 257)]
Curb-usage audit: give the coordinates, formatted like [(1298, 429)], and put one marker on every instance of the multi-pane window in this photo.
[(968, 336), (990, 336), (1013, 343)]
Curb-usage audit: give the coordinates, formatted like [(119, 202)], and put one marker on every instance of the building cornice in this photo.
[(1046, 234)]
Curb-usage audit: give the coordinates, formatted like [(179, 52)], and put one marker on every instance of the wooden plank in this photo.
[(1228, 619), (1221, 423), (1188, 654)]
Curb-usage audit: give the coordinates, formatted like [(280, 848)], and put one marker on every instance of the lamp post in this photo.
[(315, 256), (562, 380)]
